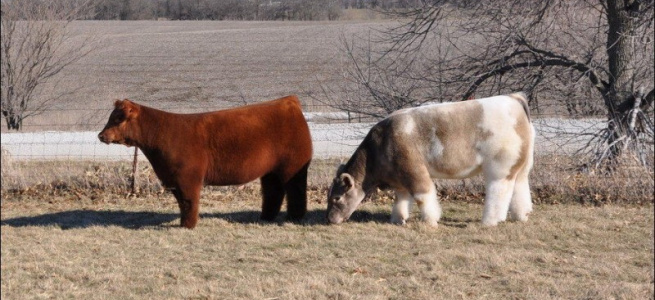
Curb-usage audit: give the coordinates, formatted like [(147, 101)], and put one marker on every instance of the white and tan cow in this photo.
[(492, 136)]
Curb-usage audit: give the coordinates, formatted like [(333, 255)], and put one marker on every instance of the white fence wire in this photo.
[(554, 136)]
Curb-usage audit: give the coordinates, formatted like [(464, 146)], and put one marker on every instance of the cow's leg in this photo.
[(521, 203), (497, 200), (428, 203), (296, 189), (188, 199), (401, 208), (424, 192), (272, 194)]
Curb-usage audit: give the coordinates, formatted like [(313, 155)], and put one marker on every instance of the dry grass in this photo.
[(83, 238), (120, 248), (552, 181)]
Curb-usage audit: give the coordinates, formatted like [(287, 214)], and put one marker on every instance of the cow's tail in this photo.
[(523, 99)]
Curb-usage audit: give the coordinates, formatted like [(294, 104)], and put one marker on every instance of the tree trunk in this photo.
[(619, 51), (14, 122), (619, 90)]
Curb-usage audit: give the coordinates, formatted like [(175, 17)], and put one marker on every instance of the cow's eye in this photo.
[(119, 119)]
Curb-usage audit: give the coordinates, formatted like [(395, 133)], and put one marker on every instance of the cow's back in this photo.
[(455, 139), (247, 142)]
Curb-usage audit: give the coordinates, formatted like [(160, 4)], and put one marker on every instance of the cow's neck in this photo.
[(357, 168), (149, 137)]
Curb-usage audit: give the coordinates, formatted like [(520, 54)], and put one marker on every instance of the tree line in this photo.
[(307, 10)]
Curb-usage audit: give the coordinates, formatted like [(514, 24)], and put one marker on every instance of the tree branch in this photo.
[(542, 58)]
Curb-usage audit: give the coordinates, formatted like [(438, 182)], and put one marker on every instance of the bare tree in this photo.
[(36, 44), (585, 55)]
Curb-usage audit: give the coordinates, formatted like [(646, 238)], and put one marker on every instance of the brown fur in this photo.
[(520, 97), (451, 130), (269, 140), (523, 129)]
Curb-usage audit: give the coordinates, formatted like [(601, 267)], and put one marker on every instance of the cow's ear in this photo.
[(348, 181), (118, 103), (340, 169), (130, 109)]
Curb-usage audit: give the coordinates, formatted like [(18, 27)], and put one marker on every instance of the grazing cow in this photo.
[(409, 148), (268, 140)]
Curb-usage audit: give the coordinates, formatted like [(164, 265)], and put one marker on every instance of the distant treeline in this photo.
[(234, 9)]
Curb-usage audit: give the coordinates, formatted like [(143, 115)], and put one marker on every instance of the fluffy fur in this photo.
[(491, 136)]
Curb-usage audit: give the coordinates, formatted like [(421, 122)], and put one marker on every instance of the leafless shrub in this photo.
[(36, 46), (7, 170), (629, 133)]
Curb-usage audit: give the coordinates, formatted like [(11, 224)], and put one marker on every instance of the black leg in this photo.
[(273, 194)]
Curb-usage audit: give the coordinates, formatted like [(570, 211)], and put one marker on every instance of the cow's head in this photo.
[(343, 198), (122, 127)]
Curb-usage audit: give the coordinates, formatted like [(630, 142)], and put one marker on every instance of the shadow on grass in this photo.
[(135, 220), (319, 217), (88, 218), (455, 222), (312, 217)]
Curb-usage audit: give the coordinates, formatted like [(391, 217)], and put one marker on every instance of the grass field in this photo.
[(131, 248), (81, 236)]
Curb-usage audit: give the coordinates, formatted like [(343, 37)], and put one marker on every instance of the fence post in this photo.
[(135, 163)]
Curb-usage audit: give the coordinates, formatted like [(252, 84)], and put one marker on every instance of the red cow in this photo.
[(268, 140)]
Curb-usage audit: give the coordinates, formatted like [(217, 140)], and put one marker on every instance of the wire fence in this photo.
[(70, 134), (60, 147)]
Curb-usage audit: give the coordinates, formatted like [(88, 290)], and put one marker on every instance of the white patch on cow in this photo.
[(401, 207), (500, 117), (430, 208), (498, 194), (436, 147), (409, 126), (431, 105)]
